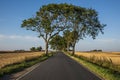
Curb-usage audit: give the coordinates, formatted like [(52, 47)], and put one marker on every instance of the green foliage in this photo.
[(58, 43), (70, 38), (33, 49), (36, 48), (39, 48)]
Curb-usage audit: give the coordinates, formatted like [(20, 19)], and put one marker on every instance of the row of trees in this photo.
[(95, 50), (64, 42), (66, 22)]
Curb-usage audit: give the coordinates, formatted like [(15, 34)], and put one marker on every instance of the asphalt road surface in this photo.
[(60, 67)]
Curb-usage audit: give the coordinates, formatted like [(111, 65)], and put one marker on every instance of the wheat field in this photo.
[(114, 56), (11, 58)]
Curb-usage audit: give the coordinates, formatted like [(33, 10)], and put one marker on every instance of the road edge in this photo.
[(31, 69), (28, 70)]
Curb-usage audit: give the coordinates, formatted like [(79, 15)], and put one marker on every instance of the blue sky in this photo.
[(13, 37)]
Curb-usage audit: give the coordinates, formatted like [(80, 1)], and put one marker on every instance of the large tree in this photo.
[(84, 22), (48, 21)]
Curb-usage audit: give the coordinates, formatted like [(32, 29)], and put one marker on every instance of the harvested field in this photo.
[(11, 58), (114, 56)]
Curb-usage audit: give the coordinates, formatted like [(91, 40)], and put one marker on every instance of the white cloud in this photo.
[(106, 40), (18, 37)]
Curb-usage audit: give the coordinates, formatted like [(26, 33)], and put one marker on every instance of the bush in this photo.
[(33, 49), (39, 48), (36, 49)]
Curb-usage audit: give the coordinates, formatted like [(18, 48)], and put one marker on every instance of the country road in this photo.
[(60, 67)]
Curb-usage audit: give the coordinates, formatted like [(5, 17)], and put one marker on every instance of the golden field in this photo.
[(11, 58), (114, 56)]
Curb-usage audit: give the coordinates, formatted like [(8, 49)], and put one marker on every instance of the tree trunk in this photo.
[(68, 47), (73, 51), (46, 48)]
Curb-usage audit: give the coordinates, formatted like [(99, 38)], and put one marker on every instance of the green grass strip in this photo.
[(21, 66), (100, 71)]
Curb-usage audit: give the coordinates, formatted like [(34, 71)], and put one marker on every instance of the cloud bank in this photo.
[(11, 42)]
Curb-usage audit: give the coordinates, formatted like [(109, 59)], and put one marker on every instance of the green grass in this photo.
[(105, 73), (21, 66)]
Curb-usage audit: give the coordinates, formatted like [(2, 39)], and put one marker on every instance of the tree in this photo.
[(33, 49), (84, 22), (39, 48), (58, 43), (48, 22), (67, 35)]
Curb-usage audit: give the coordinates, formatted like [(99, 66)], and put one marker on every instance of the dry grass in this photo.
[(11, 58), (114, 56)]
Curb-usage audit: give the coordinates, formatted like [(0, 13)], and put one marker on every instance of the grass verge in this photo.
[(21, 66), (105, 73)]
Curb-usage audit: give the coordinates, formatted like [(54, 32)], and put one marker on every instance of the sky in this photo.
[(13, 12)]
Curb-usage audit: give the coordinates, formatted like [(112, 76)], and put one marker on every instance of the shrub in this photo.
[(36, 49)]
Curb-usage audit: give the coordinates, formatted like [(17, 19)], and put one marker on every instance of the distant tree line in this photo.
[(95, 50)]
